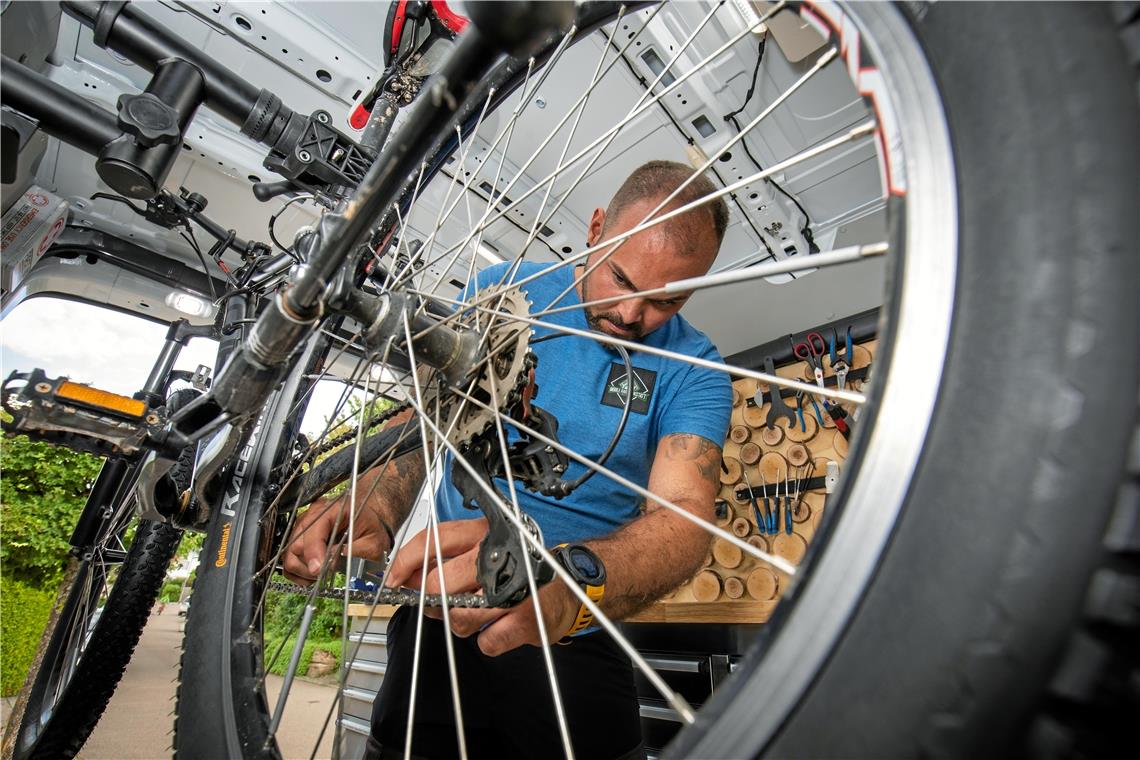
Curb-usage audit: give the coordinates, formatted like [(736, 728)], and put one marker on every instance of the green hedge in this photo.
[(281, 664), (170, 591), (24, 613)]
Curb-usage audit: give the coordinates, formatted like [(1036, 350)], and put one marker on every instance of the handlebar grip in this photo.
[(265, 191)]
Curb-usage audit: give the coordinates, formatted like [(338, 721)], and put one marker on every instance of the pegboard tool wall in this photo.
[(733, 587)]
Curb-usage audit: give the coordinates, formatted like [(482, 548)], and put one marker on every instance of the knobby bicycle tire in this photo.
[(110, 642)]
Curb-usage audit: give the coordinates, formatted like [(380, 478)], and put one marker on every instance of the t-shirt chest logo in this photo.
[(619, 386)]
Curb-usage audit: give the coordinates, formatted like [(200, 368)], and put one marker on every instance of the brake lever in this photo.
[(267, 191), (118, 199)]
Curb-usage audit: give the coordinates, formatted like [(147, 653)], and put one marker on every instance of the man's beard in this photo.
[(595, 315)]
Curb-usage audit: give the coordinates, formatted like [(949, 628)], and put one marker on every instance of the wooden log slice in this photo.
[(797, 454), (755, 416), (723, 511), (739, 433), (726, 554), (773, 437), (759, 543), (796, 434), (737, 398), (730, 470), (706, 586), (750, 453), (741, 527), (828, 423), (733, 588), (736, 491), (791, 547), (861, 358), (801, 512), (762, 584), (708, 560), (773, 467)]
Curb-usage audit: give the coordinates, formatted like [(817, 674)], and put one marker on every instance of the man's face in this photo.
[(647, 260)]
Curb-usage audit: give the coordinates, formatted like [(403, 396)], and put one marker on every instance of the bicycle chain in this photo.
[(398, 597), (349, 435)]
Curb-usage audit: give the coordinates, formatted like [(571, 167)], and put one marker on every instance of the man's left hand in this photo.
[(500, 629)]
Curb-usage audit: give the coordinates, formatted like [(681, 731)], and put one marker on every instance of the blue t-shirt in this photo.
[(580, 382)]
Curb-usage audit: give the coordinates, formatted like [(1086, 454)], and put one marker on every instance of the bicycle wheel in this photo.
[(102, 614), (953, 358)]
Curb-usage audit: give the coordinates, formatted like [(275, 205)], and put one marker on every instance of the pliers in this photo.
[(841, 366)]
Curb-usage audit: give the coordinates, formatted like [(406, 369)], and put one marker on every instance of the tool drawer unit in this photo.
[(368, 639)]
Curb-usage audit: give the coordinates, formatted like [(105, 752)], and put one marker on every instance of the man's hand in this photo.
[(500, 629), (321, 526)]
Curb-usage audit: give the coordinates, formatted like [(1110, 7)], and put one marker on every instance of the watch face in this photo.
[(585, 563)]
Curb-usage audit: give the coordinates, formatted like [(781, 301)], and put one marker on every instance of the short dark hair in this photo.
[(657, 179)]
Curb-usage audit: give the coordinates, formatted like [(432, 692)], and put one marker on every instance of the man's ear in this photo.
[(597, 224)]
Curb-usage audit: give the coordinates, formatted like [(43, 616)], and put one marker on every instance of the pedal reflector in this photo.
[(85, 394)]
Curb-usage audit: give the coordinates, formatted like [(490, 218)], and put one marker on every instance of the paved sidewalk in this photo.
[(139, 721)]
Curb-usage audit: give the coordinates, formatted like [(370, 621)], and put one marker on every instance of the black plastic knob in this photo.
[(148, 119)]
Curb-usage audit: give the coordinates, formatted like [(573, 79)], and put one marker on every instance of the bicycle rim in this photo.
[(108, 600), (876, 46)]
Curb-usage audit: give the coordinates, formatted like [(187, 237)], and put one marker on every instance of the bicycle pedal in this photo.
[(76, 416)]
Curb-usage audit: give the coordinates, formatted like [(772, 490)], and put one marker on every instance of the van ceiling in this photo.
[(322, 54)]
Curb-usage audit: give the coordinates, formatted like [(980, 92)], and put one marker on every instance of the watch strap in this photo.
[(585, 618)]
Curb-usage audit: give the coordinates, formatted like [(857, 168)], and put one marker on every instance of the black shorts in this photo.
[(507, 707)]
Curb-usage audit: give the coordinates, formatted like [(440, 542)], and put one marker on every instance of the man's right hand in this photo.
[(321, 526)]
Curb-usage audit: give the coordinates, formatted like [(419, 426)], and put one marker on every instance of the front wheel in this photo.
[(105, 603)]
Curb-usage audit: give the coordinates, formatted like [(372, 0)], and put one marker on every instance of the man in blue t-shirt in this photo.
[(678, 418)]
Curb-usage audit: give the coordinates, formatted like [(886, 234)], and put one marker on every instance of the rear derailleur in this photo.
[(536, 465)]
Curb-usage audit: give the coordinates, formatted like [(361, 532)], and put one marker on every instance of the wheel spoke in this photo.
[(433, 522), (556, 693), (610, 140), (845, 255), (783, 382), (856, 133), (823, 60), (394, 276), (631, 116), (673, 698), (578, 109), (744, 546)]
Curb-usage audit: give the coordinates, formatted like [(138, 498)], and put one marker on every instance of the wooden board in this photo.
[(823, 443), (379, 612)]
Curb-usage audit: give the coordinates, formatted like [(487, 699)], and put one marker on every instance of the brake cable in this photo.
[(589, 473)]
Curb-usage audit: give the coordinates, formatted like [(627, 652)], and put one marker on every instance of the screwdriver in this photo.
[(774, 518), (766, 526), (755, 506), (788, 503)]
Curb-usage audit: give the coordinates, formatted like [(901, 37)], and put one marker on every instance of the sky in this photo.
[(109, 350)]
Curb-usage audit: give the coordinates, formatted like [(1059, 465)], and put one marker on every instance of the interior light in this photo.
[(189, 304), (488, 253)]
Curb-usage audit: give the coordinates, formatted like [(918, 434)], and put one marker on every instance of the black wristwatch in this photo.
[(587, 570)]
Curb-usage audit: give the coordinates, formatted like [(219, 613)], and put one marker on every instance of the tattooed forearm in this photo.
[(685, 447), (397, 486)]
